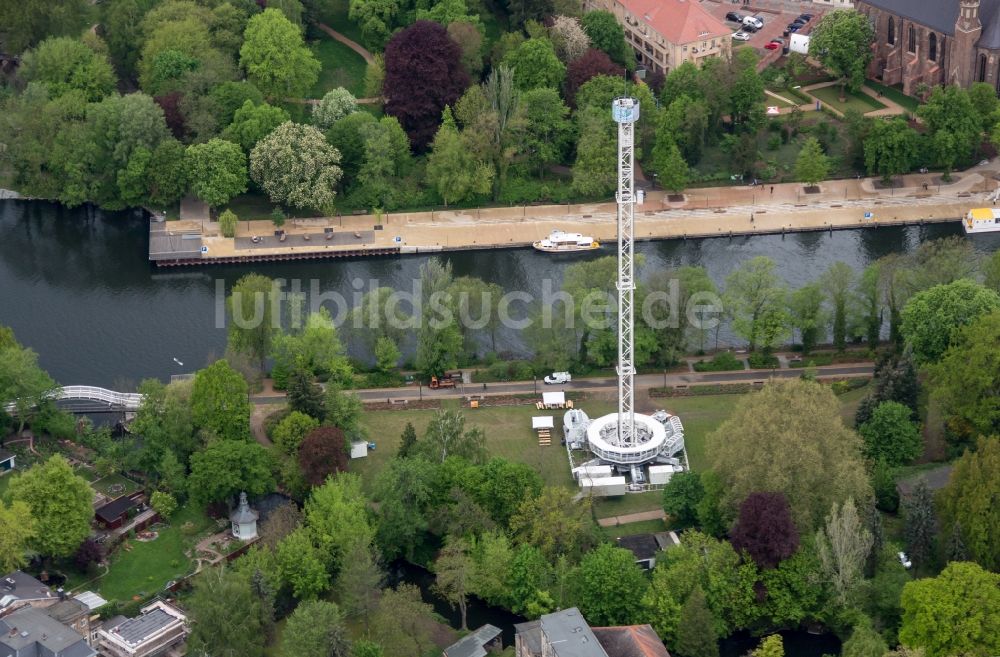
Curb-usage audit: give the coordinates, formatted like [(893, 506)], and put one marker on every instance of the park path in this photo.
[(891, 108), (642, 516), (350, 43)]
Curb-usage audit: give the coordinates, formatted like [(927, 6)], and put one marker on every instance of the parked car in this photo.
[(741, 36), (772, 45), (733, 16), (749, 29), (805, 17), (753, 20), (558, 377)]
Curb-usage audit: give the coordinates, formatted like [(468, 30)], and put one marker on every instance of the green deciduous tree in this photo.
[(805, 306), (360, 580), (607, 34), (838, 283), (302, 566), (163, 503), (843, 545), (696, 633), (890, 148), (671, 168), (812, 165), (220, 403), (218, 171), (755, 298), (594, 170), (17, 529), (890, 435), (22, 381), (770, 646), (251, 123), (227, 223), (296, 166), (275, 58), (789, 438), (227, 614), (681, 497), (338, 518), (957, 612), (453, 571), (315, 629), (842, 42), (403, 622), (553, 523), (864, 642), (446, 436), (535, 64), (547, 128), (968, 503), (954, 125), (292, 429), (60, 503), (252, 322), (228, 467), (335, 105), (610, 586), (452, 168), (66, 64), (932, 317)]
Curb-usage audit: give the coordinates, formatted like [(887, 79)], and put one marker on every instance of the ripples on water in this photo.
[(76, 285)]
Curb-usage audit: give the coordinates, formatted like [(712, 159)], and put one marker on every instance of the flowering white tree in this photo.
[(336, 104), (297, 167), (569, 38)]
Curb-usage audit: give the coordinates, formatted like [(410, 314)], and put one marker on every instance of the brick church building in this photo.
[(934, 42)]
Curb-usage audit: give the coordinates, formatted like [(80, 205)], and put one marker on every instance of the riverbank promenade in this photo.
[(703, 212)]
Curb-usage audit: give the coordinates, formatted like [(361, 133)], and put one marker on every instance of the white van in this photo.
[(754, 21), (558, 377)]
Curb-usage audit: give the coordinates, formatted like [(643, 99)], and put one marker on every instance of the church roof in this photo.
[(941, 15)]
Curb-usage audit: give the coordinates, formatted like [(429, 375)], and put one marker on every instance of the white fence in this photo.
[(128, 401)]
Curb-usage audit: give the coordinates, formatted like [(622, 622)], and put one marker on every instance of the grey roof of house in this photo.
[(473, 644), (67, 611), (530, 634), (941, 15), (643, 546), (570, 636), (137, 630), (5, 454), (631, 641), (29, 632), (24, 587)]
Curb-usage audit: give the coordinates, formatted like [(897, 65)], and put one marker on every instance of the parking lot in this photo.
[(775, 21)]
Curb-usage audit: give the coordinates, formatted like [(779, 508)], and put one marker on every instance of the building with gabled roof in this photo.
[(566, 634), (19, 589), (667, 33), (30, 632), (630, 641)]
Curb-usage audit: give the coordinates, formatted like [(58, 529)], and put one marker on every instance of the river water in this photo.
[(76, 285)]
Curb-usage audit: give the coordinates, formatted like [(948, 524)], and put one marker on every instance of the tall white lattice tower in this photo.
[(625, 112)]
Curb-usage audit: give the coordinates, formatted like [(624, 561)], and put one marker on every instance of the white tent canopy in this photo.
[(542, 422), (554, 398)]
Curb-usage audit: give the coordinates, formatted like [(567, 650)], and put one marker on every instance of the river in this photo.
[(76, 286)]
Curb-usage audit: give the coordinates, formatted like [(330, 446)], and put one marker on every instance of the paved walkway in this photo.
[(892, 108), (350, 43), (194, 209), (658, 514)]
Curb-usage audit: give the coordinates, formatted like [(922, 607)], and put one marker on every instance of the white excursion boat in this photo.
[(560, 242), (982, 220)]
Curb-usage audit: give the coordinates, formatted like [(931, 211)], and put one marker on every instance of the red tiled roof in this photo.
[(679, 21), (630, 641)]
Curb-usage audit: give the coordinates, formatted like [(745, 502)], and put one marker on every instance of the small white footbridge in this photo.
[(97, 398)]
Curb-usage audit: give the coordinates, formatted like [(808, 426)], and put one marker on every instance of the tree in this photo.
[(60, 503), (343, 410), (453, 170), (288, 433), (755, 298), (446, 436), (423, 75), (17, 531), (452, 570), (868, 293), (696, 633), (842, 42), (594, 169), (895, 380), (553, 523), (864, 642), (227, 223), (954, 124), (504, 486), (252, 122), (337, 516), (163, 503), (315, 629), (569, 38), (838, 282), (218, 171), (469, 38), (535, 64), (360, 580), (764, 528), (931, 317), (22, 381), (228, 467), (812, 165), (966, 378), (957, 612), (322, 453), (66, 64), (745, 95), (335, 105), (408, 441), (844, 544), (220, 403), (275, 58), (919, 526), (789, 438), (302, 565), (968, 503), (228, 616), (890, 435), (304, 395), (805, 307), (611, 586), (296, 166), (607, 34), (402, 622), (89, 553), (681, 497), (770, 646), (252, 323), (890, 148)]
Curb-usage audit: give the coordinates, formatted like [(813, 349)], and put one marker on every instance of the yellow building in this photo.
[(667, 33)]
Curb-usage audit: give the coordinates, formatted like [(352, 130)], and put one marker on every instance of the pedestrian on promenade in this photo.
[(484, 387), (772, 190), (751, 217)]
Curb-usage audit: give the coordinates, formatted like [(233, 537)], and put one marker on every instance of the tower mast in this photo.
[(625, 112)]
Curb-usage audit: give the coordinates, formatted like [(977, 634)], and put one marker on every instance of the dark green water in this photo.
[(76, 285)]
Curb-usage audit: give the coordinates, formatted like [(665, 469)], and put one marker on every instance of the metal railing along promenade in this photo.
[(128, 401)]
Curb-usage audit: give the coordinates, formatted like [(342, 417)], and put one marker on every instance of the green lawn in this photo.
[(859, 101), (342, 67), (895, 94), (645, 527), (147, 567), (335, 14), (772, 101), (4, 484), (114, 486), (258, 206), (607, 507)]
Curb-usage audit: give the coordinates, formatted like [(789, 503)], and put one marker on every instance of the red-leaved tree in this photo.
[(423, 74), (170, 103), (322, 452), (765, 529), (592, 63)]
